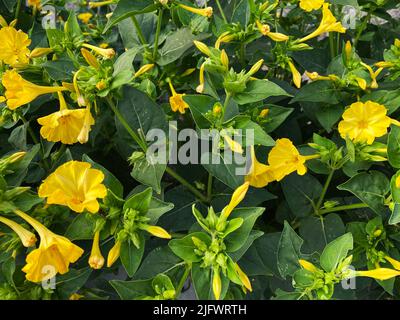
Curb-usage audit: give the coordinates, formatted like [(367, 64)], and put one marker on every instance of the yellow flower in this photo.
[(384, 64), (328, 24), (14, 46), (96, 260), (75, 296), (88, 121), (20, 91), (310, 5), (295, 74), (34, 3), (379, 273), (259, 174), (243, 277), (232, 144), (63, 126), (216, 284), (93, 4), (264, 113), (200, 87), (348, 50), (145, 68), (203, 48), (308, 265), (373, 74), (28, 239), (206, 12), (85, 17), (76, 185), (224, 38), (53, 256), (114, 253), (363, 122), (40, 52), (158, 232), (393, 262), (176, 100), (237, 197), (266, 31), (90, 58), (284, 159), (314, 76), (107, 53)]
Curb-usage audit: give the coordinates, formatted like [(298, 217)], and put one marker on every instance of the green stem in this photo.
[(332, 45), (17, 9), (343, 208), (182, 180), (209, 186), (158, 30), (325, 189), (139, 32), (182, 281), (221, 11), (226, 102), (362, 28), (126, 125)]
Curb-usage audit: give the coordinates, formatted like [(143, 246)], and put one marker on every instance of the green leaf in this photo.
[(184, 247), (389, 98), (160, 260), (139, 201), (149, 174), (176, 44), (395, 216), (132, 256), (260, 136), (276, 116), (318, 91), (317, 232), (288, 251), (300, 192), (371, 188), (352, 3), (336, 251), (82, 227), (258, 90), (127, 8), (224, 171), (235, 240), (60, 69), (393, 147), (71, 282), (131, 290), (199, 106)]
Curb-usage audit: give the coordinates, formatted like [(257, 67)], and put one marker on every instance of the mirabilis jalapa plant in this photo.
[(317, 206)]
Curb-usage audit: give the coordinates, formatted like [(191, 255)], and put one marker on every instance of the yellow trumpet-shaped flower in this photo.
[(384, 64), (284, 159), (216, 284), (237, 197), (158, 232), (176, 100), (107, 53), (266, 31), (259, 174), (35, 4), (243, 277), (144, 69), (393, 262), (114, 253), (53, 256), (205, 12), (200, 87), (295, 74), (93, 4), (64, 125), (88, 121), (76, 185), (224, 38), (314, 76), (85, 17), (328, 24), (308, 265), (28, 239), (96, 259), (379, 273), (310, 5), (75, 296), (232, 144), (90, 58), (14, 46), (40, 52), (363, 122), (373, 74), (20, 91), (203, 48)]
